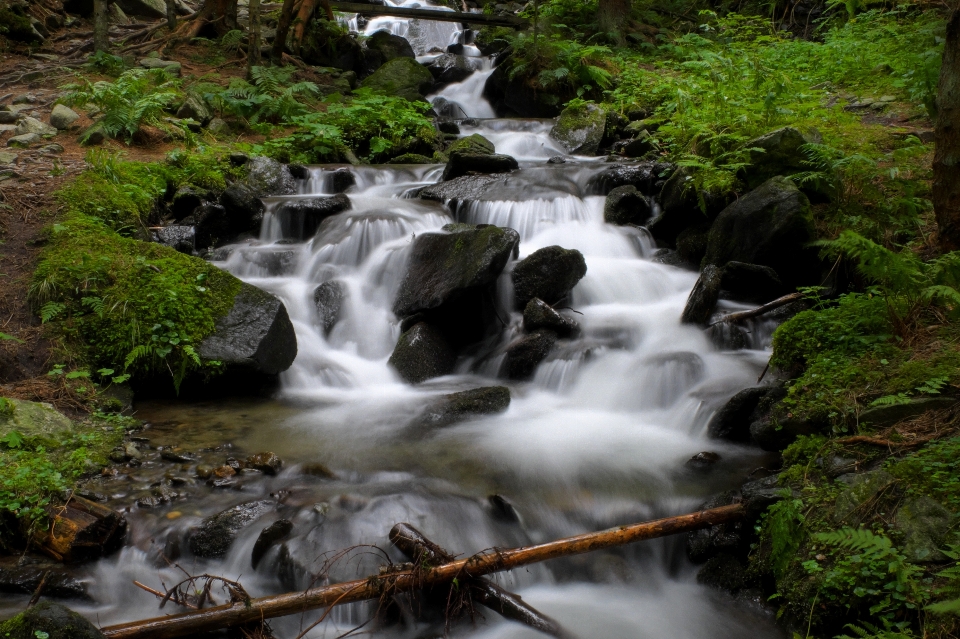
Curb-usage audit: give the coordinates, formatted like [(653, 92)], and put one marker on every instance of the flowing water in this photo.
[(599, 437)]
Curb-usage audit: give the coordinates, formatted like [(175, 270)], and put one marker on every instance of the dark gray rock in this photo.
[(626, 205), (751, 282), (692, 243), (267, 463), (300, 218), (341, 180), (732, 422), (723, 572), (580, 129), (448, 126), (93, 135), (760, 494), (195, 108), (461, 189), (778, 153), (703, 461), (711, 542), (457, 407), (22, 576), (256, 334), (50, 620), (179, 238), (389, 46), (925, 524), (243, 208), (328, 299), (422, 353), (883, 416), (463, 163), (214, 536), (645, 176), (449, 68), (549, 273), (681, 206), (537, 315), (186, 200), (643, 144), (299, 171), (268, 537), (475, 144), (774, 433), (266, 176), (525, 354), (861, 488), (445, 108), (703, 298), (212, 226), (770, 226)]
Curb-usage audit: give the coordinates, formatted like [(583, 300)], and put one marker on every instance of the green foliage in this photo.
[(949, 591), (138, 97), (933, 471), (782, 524), (560, 66), (107, 63), (269, 98)]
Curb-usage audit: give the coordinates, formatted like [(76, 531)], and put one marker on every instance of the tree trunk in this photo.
[(80, 530), (101, 25), (171, 15), (613, 15), (283, 29), (222, 14), (253, 42), (946, 159)]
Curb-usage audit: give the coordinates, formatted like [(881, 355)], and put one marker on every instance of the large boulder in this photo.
[(525, 354), (256, 334), (243, 209), (703, 298), (770, 226), (422, 353), (517, 96), (449, 68), (450, 275), (63, 117), (266, 176), (388, 46), (214, 536), (462, 189), (647, 177), (681, 207), (580, 129), (549, 274), (50, 621), (299, 219), (475, 144), (777, 153), (750, 282), (732, 421), (32, 419), (464, 163), (323, 48), (457, 407), (626, 205), (401, 77), (212, 226), (27, 125)]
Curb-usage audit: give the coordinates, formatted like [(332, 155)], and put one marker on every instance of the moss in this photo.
[(16, 26), (474, 143)]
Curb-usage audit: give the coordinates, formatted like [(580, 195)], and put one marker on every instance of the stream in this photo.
[(599, 437)]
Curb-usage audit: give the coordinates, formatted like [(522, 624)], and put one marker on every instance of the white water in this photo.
[(597, 438)]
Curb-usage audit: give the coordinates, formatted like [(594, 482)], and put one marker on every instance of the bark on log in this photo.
[(431, 14), (80, 530), (387, 584), (754, 312), (101, 25), (421, 551)]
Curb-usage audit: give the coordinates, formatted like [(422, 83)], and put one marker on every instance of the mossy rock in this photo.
[(17, 26), (422, 353), (861, 489), (457, 407), (476, 144), (401, 77), (778, 152), (924, 523), (549, 274), (580, 129), (32, 420), (49, 620), (411, 158)]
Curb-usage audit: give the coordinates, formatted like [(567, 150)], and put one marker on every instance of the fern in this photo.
[(51, 310), (870, 631)]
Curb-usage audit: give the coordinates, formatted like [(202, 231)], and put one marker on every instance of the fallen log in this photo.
[(760, 310), (421, 551), (401, 579), (431, 14), (80, 530)]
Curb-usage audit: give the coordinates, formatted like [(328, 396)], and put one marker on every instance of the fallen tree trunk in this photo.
[(422, 551), (431, 14), (754, 312), (389, 583), (80, 530)]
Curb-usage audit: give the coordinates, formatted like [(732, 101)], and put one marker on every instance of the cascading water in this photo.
[(599, 437)]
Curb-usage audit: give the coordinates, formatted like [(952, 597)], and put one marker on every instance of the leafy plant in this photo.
[(269, 98), (782, 524)]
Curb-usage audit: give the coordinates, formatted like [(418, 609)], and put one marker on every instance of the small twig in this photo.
[(39, 591), (161, 595), (766, 308)]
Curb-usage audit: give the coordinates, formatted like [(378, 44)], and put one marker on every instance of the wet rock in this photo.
[(212, 226), (861, 488), (463, 163), (256, 334), (21, 575), (24, 141), (732, 422), (449, 278), (449, 68), (266, 176), (27, 125), (186, 200), (383, 46), (525, 354), (703, 461), (422, 353), (711, 542), (626, 205), (644, 176), (445, 108), (549, 274), (692, 243), (457, 407), (268, 537), (341, 180), (63, 117), (328, 300), (462, 189), (643, 144), (299, 219), (474, 144), (179, 238), (177, 457), (447, 126), (925, 524), (515, 97), (538, 315), (580, 129), (883, 416), (318, 470), (770, 226), (243, 208), (774, 433), (680, 207), (557, 159), (751, 282), (723, 572), (214, 536), (411, 158), (778, 153), (195, 108), (703, 298), (760, 494), (51, 621), (402, 78), (267, 463)]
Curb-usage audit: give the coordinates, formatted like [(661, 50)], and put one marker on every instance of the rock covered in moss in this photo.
[(626, 205), (525, 354), (255, 334), (450, 67), (925, 524), (538, 315), (411, 158), (456, 407), (771, 226), (474, 143), (464, 163), (422, 353), (382, 46), (195, 108), (214, 536), (50, 620), (778, 152), (549, 273), (328, 300), (861, 488), (580, 129), (32, 419), (402, 78)]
